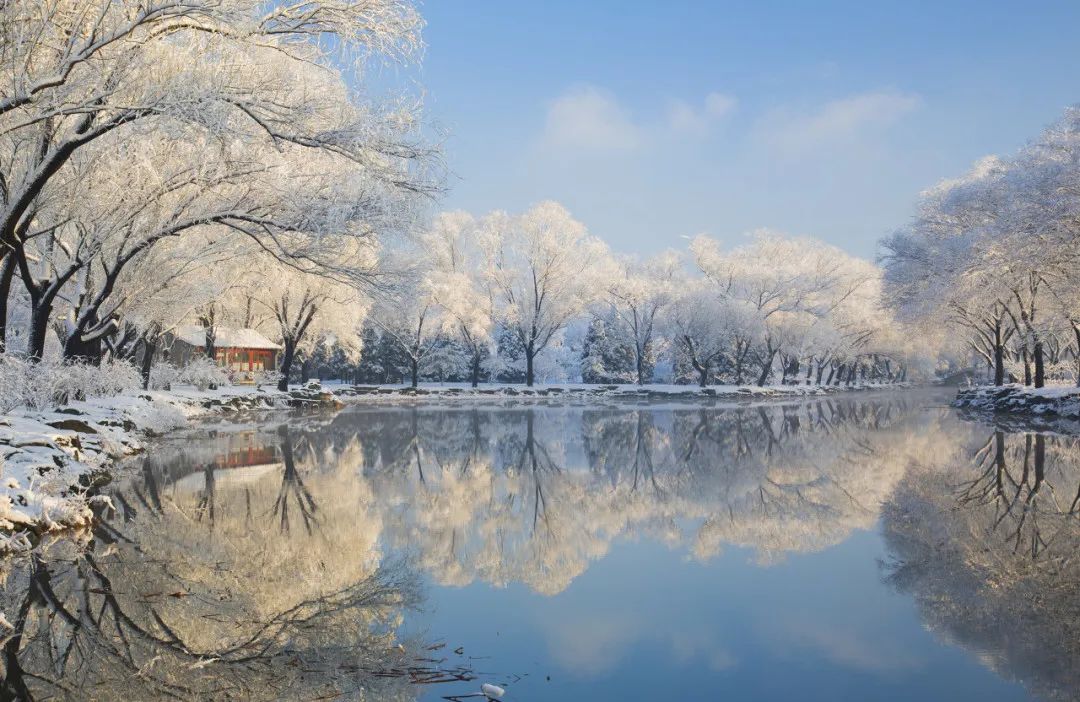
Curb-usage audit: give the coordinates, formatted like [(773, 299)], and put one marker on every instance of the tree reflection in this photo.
[(985, 538), (533, 495), (193, 586)]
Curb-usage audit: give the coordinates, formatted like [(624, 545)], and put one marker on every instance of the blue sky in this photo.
[(655, 121)]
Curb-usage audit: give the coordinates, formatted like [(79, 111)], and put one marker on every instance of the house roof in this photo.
[(225, 337)]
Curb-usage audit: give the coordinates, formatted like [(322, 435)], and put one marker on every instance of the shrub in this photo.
[(270, 377), (163, 375), (203, 374), (51, 383)]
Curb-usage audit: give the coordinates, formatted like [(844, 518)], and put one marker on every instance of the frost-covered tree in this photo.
[(543, 271), (778, 277), (410, 317), (992, 257), (459, 281), (605, 357), (301, 310), (797, 305), (638, 293), (706, 330), (126, 123)]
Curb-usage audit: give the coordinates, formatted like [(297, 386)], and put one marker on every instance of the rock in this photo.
[(76, 425)]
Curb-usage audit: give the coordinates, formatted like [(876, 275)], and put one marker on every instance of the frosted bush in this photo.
[(163, 375), (51, 383), (203, 374), (14, 377), (116, 377), (267, 378)]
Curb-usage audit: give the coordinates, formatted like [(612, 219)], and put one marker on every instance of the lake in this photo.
[(862, 546)]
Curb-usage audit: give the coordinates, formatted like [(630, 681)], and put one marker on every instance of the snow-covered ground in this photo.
[(1054, 400), (351, 394), (49, 458)]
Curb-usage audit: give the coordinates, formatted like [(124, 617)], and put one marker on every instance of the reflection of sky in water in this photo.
[(822, 550), (646, 623)]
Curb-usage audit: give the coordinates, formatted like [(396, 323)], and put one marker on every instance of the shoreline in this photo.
[(1057, 402), (51, 459)]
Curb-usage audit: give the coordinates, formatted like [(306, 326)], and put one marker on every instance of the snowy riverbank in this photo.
[(579, 392), (49, 458), (1055, 401)]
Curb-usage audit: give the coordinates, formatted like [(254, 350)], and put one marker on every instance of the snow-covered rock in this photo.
[(1052, 401)]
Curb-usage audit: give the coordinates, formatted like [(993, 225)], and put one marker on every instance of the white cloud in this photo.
[(589, 118), (591, 643), (843, 645), (718, 105), (844, 119), (689, 648), (685, 118)]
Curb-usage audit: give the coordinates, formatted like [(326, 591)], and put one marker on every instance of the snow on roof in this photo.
[(225, 338)]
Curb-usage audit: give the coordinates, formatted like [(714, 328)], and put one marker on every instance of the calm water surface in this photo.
[(861, 547)]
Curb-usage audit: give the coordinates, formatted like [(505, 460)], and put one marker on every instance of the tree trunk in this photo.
[(39, 328), (639, 362), (475, 376), (766, 369), (1040, 368), (211, 343), (149, 349), (1027, 366), (530, 353), (76, 348), (286, 364), (999, 357), (414, 371), (703, 378), (7, 273), (1076, 332), (305, 370)]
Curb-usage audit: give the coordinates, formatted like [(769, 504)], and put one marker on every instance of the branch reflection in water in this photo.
[(221, 575), (986, 537), (280, 561)]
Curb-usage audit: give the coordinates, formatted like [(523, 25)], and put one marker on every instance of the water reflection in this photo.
[(217, 572), (986, 538), (534, 495), (276, 561)]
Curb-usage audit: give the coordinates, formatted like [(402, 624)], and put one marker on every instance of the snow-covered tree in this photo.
[(605, 357), (127, 123), (410, 317), (637, 293), (543, 271), (709, 331), (460, 283), (302, 310), (991, 256)]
